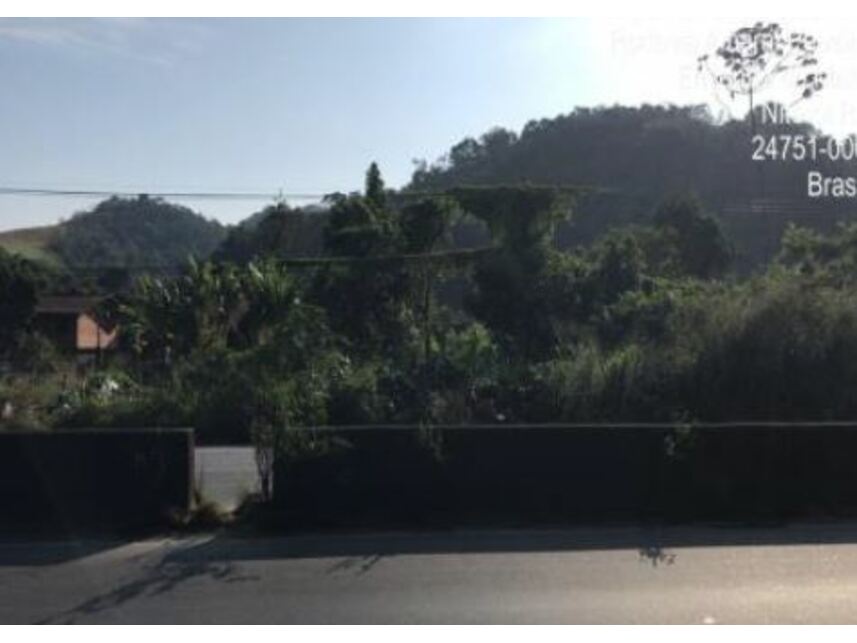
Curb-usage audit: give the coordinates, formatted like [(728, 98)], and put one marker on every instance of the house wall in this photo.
[(90, 336)]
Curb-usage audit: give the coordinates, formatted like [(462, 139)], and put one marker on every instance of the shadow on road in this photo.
[(654, 544), (656, 556), (161, 579), (38, 552), (219, 557)]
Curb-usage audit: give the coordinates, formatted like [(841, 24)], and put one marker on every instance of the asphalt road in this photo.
[(619, 575)]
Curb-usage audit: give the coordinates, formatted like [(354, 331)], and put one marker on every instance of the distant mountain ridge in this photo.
[(638, 156), (120, 233)]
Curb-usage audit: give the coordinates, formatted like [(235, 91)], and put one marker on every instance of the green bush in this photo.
[(776, 349)]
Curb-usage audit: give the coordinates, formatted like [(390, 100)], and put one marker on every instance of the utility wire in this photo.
[(271, 196), (250, 196)]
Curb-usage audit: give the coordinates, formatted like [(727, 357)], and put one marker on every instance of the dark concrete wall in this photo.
[(568, 473), (94, 478)]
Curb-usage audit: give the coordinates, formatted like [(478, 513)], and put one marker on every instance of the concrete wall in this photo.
[(568, 473), (94, 478)]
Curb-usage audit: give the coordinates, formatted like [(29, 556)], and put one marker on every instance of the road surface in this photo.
[(616, 575)]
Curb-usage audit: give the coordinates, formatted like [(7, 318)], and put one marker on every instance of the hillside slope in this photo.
[(32, 243), (635, 157), (135, 233), (120, 234)]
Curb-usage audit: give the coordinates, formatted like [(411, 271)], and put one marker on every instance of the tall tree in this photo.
[(365, 295), (374, 189), (18, 284), (425, 225), (514, 286), (694, 242)]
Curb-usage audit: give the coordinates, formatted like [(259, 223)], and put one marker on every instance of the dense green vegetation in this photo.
[(392, 321), (101, 250), (134, 234), (497, 287), (631, 158), (19, 280), (277, 230)]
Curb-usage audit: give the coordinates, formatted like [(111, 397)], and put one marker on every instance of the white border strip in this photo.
[(758, 10)]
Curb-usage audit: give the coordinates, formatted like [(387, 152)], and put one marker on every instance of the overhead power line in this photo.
[(247, 196)]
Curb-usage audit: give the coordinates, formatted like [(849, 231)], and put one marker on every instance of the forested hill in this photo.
[(636, 156), (135, 233)]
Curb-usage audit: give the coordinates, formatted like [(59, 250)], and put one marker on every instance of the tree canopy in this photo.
[(136, 233), (632, 158), (19, 281)]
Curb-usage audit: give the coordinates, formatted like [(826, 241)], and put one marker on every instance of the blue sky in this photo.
[(258, 105), (293, 104)]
